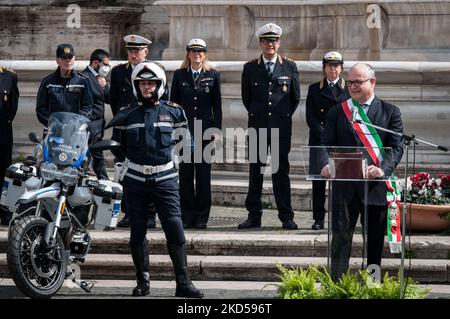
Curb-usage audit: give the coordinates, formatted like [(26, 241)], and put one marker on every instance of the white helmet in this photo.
[(148, 71)]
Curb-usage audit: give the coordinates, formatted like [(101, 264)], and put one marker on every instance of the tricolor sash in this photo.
[(372, 143)]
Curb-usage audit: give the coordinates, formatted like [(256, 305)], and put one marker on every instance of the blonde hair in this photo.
[(187, 63)]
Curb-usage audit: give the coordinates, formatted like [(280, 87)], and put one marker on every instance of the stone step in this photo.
[(106, 289), (243, 243), (248, 268)]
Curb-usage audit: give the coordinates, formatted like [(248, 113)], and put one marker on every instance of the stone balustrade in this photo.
[(420, 89)]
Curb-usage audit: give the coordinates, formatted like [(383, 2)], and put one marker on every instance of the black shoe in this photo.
[(318, 224), (290, 224), (250, 223), (200, 226), (151, 223), (188, 290), (124, 223), (142, 289)]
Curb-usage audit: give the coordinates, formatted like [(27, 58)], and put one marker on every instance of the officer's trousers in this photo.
[(344, 218), (280, 182), (5, 160), (318, 192), (165, 195), (195, 201)]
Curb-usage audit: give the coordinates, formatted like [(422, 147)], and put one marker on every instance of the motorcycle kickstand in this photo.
[(85, 285)]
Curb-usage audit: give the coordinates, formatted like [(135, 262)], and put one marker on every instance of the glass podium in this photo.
[(348, 169)]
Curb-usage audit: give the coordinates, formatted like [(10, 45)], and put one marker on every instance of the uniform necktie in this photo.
[(195, 76), (333, 88), (268, 67)]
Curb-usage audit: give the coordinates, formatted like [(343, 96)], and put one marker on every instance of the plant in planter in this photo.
[(428, 199), (312, 283)]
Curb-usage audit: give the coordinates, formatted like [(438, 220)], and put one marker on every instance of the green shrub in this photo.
[(312, 283)]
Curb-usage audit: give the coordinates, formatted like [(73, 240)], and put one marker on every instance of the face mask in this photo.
[(103, 70)]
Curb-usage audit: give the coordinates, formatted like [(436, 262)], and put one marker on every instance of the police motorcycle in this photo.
[(51, 234)]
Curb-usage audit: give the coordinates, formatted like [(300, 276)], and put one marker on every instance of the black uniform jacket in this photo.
[(271, 101), (61, 95), (339, 132), (100, 96), (9, 99), (201, 100), (318, 102)]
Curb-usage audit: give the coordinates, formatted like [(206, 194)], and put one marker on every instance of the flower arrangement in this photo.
[(425, 189)]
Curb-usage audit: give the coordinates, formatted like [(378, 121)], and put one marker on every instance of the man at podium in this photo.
[(345, 127)]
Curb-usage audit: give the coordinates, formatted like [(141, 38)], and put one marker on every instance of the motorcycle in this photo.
[(48, 232)]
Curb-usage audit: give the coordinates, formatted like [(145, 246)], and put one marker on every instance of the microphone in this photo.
[(354, 112)]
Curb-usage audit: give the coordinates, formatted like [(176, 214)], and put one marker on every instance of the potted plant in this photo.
[(428, 202)]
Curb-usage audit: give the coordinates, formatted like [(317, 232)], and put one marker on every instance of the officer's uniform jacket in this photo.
[(146, 136), (201, 99), (9, 98), (57, 95), (319, 100), (271, 100), (121, 91), (100, 96)]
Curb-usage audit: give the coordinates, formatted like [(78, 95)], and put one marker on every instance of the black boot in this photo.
[(141, 263), (185, 288)]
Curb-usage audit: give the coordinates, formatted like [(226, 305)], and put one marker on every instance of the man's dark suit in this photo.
[(348, 196), (9, 99), (100, 96), (319, 100), (271, 101)]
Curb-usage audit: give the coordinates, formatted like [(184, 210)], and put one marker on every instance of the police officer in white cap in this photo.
[(270, 93), (121, 94), (331, 90), (196, 87)]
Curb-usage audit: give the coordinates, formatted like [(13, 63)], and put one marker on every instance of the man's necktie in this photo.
[(268, 67)]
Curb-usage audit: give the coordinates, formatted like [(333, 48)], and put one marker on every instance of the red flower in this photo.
[(420, 179)]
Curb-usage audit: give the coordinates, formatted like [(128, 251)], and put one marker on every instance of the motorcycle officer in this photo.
[(149, 174)]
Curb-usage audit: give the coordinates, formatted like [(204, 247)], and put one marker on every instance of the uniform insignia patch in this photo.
[(173, 104), (206, 79), (165, 118), (284, 77)]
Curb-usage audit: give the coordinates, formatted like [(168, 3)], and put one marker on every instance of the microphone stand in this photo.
[(407, 139)]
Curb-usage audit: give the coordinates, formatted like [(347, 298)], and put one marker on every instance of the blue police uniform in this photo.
[(150, 176), (58, 94)]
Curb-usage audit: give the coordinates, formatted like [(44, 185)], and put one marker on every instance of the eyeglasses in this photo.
[(356, 83), (269, 40)]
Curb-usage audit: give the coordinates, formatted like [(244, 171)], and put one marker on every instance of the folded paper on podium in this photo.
[(345, 163)]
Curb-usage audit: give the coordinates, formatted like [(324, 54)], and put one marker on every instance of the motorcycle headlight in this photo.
[(69, 176), (49, 171)]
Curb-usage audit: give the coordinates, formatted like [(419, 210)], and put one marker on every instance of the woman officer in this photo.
[(196, 86)]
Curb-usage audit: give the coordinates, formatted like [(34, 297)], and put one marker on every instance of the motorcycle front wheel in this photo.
[(37, 271)]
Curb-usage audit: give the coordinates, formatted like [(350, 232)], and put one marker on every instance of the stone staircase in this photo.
[(223, 253)]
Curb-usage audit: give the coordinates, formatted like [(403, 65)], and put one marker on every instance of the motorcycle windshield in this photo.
[(67, 141)]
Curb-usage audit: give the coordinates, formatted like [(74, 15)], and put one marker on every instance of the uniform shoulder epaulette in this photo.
[(286, 58), (172, 104), (125, 107), (4, 69), (342, 83)]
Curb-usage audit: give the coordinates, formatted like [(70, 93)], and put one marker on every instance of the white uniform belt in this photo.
[(148, 169)]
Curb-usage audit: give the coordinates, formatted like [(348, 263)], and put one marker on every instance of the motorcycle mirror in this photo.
[(34, 138), (104, 145)]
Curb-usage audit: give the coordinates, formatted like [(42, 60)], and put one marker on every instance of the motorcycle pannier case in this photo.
[(13, 185), (107, 196)]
